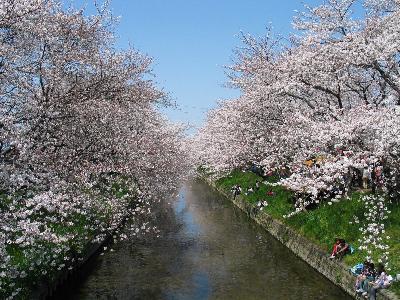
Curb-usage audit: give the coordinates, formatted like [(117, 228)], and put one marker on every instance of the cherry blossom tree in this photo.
[(330, 94), (81, 139)]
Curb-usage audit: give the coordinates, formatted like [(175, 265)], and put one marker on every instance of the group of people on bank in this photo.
[(369, 176), (370, 280), (237, 190)]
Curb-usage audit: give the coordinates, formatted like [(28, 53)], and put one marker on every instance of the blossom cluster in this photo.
[(373, 230)]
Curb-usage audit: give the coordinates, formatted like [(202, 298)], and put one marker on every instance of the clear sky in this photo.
[(191, 41)]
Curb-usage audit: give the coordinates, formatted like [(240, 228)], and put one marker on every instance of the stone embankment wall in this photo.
[(335, 271), (46, 289)]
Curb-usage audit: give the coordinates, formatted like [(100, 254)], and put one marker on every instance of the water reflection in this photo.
[(208, 249)]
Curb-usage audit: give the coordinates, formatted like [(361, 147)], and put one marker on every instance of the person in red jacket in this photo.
[(340, 248)]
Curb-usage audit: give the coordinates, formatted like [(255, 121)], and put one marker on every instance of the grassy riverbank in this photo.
[(43, 261), (324, 224)]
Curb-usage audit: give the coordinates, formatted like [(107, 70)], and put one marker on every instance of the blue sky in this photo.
[(191, 41)]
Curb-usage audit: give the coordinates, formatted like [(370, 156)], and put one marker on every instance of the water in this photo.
[(208, 249)]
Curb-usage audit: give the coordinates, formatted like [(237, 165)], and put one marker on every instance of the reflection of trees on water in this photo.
[(243, 260), (206, 249)]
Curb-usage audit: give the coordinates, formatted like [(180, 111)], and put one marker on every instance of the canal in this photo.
[(207, 249)]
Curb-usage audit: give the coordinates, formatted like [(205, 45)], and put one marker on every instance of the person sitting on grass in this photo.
[(258, 207), (249, 191), (236, 190), (335, 248), (270, 193), (382, 281), (261, 204), (340, 248), (367, 275)]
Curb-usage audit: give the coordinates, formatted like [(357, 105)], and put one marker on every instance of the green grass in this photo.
[(325, 223), (278, 204)]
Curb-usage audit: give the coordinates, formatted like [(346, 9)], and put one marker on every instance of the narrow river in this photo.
[(207, 249)]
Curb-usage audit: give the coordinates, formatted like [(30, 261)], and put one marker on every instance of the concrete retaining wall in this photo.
[(46, 289), (335, 271)]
